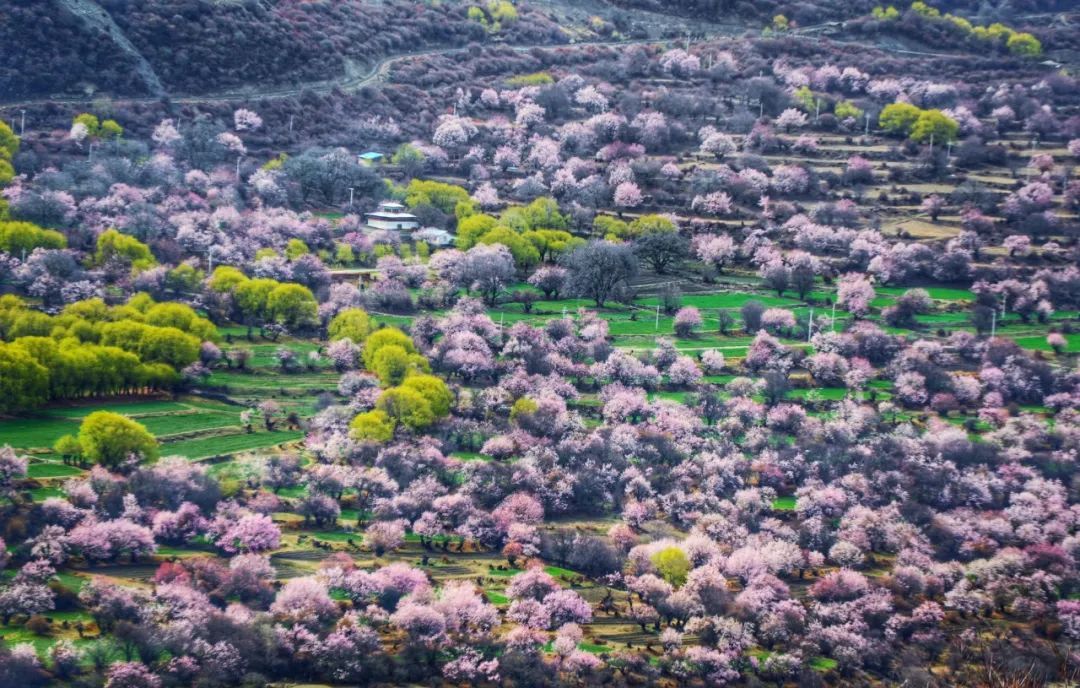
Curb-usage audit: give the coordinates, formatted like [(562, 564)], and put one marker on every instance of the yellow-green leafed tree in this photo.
[(1024, 44), (407, 407), (112, 245), (226, 278), (434, 390), (292, 305), (18, 238), (9, 142), (110, 439), (443, 196), (372, 426), (672, 564), (899, 118), (387, 336), (936, 124), (351, 323), (24, 383)]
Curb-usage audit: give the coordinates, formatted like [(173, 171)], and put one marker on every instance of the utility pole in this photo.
[(89, 151), (866, 132), (210, 259), (291, 118), (817, 109), (832, 323), (350, 196), (810, 326), (22, 123), (931, 143), (657, 325)]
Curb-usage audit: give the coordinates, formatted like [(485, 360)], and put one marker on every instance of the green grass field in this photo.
[(784, 504), (160, 417), (938, 293), (51, 470), (725, 300), (637, 327), (229, 444), (1038, 343)]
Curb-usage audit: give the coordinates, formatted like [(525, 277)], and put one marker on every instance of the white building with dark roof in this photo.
[(392, 216)]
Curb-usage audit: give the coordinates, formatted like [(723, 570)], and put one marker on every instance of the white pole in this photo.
[(350, 196), (657, 326), (210, 259), (291, 118), (833, 324), (931, 143), (867, 132), (993, 322), (238, 159), (22, 123), (810, 327)]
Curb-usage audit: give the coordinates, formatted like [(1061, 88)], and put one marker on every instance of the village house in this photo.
[(391, 216), (433, 236)]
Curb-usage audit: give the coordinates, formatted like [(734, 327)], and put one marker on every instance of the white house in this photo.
[(433, 236), (392, 216)]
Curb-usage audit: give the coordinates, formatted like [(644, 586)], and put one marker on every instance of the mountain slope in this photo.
[(190, 47), (99, 21), (51, 50)]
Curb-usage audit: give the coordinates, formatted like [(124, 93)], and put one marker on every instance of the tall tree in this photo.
[(599, 269)]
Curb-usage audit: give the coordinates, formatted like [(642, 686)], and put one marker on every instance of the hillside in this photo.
[(539, 343), (80, 47)]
